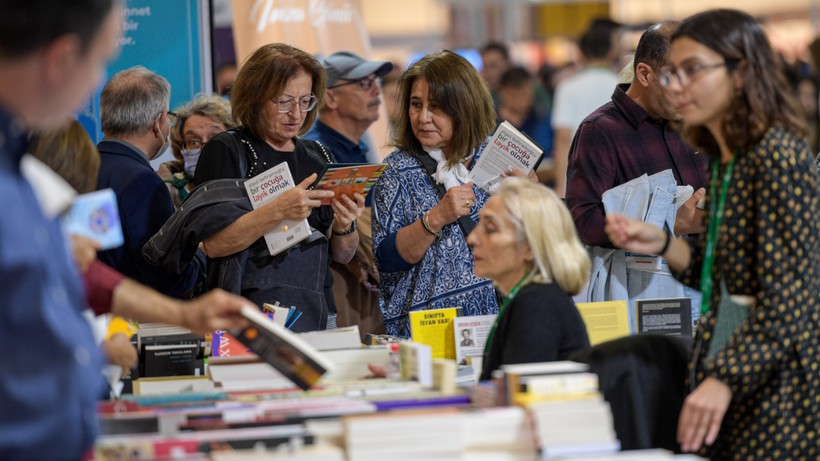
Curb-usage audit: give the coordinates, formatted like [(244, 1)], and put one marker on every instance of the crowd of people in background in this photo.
[(712, 108)]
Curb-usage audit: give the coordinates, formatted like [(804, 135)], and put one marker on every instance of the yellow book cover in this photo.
[(434, 327), (605, 320)]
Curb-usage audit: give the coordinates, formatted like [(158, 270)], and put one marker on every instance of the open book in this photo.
[(287, 352), (265, 187), (349, 178), (508, 147)]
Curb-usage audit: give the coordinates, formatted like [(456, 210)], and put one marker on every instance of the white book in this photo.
[(265, 187), (470, 334), (507, 148)]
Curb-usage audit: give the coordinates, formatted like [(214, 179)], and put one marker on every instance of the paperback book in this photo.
[(287, 352), (349, 178), (507, 148), (470, 335), (265, 187), (670, 316), (434, 327)]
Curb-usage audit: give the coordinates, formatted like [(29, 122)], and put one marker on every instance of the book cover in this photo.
[(507, 148), (95, 215), (470, 335), (670, 316), (434, 327), (265, 187), (349, 178), (605, 320), (284, 350)]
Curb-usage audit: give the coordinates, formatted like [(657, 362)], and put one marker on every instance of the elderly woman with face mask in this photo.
[(197, 122)]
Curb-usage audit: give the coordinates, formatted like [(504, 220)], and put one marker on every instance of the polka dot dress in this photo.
[(768, 249)]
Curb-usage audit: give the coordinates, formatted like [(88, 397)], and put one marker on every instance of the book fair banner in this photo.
[(319, 27)]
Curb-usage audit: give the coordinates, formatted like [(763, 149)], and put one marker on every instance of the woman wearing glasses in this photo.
[(754, 368), (275, 99), (197, 122)]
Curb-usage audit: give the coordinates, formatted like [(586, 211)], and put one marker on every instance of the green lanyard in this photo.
[(524, 280), (715, 216)]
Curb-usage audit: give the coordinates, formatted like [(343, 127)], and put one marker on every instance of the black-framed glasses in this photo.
[(173, 115), (305, 104), (688, 73), (365, 83)]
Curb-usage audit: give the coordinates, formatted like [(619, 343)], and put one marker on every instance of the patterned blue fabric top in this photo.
[(444, 277)]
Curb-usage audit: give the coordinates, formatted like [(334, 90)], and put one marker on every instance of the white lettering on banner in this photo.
[(129, 24), (271, 15), (322, 13)]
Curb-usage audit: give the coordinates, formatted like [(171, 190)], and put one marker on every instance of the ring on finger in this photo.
[(467, 204)]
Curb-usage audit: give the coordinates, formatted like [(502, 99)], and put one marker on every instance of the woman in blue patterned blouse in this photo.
[(446, 113)]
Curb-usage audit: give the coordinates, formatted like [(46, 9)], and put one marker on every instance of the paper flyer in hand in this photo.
[(96, 216), (349, 178), (507, 148), (265, 187)]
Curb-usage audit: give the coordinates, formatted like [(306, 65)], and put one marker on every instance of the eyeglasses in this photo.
[(688, 73), (173, 115), (366, 83), (192, 144), (305, 104)]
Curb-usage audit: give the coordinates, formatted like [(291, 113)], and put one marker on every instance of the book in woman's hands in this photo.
[(265, 187), (507, 148), (284, 350), (349, 178)]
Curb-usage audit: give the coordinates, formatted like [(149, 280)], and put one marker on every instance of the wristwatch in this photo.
[(347, 231)]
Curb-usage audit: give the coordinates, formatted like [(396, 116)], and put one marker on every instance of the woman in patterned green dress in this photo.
[(755, 369)]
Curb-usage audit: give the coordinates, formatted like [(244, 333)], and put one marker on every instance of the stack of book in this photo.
[(425, 434), (570, 415), (501, 433)]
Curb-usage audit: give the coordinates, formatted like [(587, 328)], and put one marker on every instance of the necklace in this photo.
[(253, 171)]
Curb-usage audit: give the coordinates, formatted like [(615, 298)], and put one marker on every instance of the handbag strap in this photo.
[(465, 222)]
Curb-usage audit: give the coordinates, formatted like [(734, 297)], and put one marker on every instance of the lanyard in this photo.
[(715, 216), (524, 280)]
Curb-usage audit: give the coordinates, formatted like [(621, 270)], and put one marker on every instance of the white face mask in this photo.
[(191, 157), (165, 148)]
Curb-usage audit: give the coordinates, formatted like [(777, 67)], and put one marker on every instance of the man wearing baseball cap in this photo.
[(351, 105)]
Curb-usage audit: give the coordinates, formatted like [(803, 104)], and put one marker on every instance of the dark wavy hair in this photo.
[(458, 89), (264, 76), (765, 99)]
